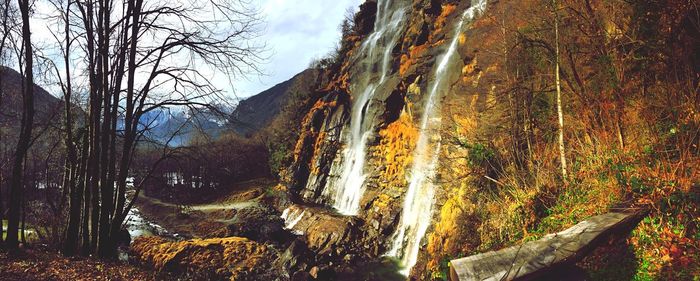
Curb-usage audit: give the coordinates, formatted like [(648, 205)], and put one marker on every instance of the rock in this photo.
[(327, 273), (534, 259), (123, 238), (232, 258), (364, 20), (301, 276), (375, 224), (294, 256), (325, 232), (260, 224), (347, 258), (317, 146), (314, 272), (392, 114), (211, 229)]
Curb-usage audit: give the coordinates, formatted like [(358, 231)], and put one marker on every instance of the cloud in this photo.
[(296, 32)]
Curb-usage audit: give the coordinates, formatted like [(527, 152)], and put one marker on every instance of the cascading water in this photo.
[(291, 217), (417, 208), (347, 190)]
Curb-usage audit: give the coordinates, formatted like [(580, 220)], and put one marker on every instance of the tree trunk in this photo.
[(619, 115), (23, 228), (129, 120), (16, 182), (93, 167), (84, 188), (71, 169), (560, 113), (2, 209), (106, 185), (5, 27)]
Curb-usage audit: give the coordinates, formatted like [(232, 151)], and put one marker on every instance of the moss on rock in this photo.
[(232, 258)]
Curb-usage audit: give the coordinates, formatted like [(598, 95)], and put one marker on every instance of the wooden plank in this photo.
[(534, 258)]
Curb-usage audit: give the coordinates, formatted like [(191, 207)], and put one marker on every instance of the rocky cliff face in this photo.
[(434, 137), (358, 142)]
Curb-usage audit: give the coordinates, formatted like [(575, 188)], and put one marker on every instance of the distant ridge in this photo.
[(45, 105), (256, 112)]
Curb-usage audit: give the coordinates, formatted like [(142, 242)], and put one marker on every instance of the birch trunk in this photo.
[(560, 113)]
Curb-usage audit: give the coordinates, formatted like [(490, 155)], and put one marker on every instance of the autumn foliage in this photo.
[(630, 87)]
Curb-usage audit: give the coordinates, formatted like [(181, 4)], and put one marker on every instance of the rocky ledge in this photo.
[(232, 258)]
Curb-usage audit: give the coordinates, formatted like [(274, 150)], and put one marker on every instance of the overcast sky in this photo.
[(295, 32)]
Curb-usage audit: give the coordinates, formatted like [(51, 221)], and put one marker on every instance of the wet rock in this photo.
[(314, 272), (324, 272), (326, 233), (317, 146), (295, 256), (364, 19), (392, 116), (433, 7), (348, 258), (301, 276), (260, 224), (375, 224)]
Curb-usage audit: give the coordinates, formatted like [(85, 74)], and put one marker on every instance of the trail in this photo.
[(216, 206)]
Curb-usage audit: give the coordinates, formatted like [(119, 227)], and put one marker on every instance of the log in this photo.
[(534, 259)]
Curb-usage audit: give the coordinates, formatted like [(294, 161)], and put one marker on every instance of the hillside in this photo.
[(252, 115), (256, 112), (438, 137), (45, 104)]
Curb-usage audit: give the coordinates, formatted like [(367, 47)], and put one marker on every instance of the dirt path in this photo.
[(204, 207), (203, 218), (228, 206)]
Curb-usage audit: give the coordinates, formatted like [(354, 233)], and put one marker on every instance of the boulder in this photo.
[(325, 232), (261, 224), (535, 259)]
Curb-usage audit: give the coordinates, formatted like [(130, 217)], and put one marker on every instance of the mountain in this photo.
[(176, 126), (46, 135), (46, 106), (179, 126), (256, 112)]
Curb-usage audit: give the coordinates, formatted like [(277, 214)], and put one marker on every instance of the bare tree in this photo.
[(140, 57), (5, 10), (71, 172), (16, 184)]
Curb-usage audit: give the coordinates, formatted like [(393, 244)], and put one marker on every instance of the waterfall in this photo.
[(346, 191), (291, 217), (418, 201)]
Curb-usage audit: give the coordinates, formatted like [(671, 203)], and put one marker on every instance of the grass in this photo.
[(663, 247)]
